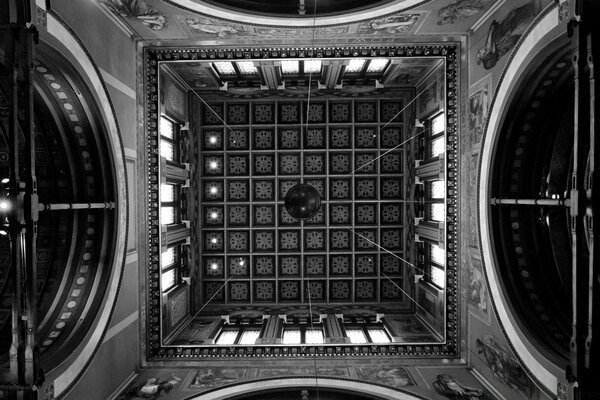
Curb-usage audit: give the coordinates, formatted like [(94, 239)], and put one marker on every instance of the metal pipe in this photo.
[(531, 202), (109, 205)]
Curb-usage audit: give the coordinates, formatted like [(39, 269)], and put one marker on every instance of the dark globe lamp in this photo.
[(302, 201)]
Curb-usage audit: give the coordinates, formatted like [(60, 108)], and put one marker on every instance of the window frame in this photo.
[(175, 141), (430, 137), (430, 264), (240, 328), (175, 203), (303, 328), (175, 266), (364, 326)]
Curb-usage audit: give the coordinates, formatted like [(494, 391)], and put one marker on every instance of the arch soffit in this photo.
[(345, 18), (275, 384), (65, 375), (543, 370)]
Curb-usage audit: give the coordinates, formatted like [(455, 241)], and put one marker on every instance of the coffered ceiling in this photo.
[(347, 150)]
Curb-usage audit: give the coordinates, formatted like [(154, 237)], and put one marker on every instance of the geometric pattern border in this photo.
[(155, 349)]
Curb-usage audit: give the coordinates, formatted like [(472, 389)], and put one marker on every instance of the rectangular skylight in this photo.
[(167, 215), (167, 150), (249, 336), (167, 193), (438, 211), (356, 65), (247, 68), (167, 280), (357, 336), (290, 67), (224, 67), (291, 336), (314, 336), (438, 146), (227, 337), (312, 66), (377, 65), (167, 258), (438, 189), (379, 335), (438, 255), (438, 124), (167, 128), (437, 276)]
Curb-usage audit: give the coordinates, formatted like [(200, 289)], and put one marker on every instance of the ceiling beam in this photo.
[(270, 74)]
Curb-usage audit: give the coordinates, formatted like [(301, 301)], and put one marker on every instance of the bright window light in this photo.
[(438, 189), (166, 128), (224, 67), (167, 280), (291, 336), (167, 150), (290, 67), (379, 335), (438, 124), (247, 68), (227, 337), (314, 336), (438, 146), (249, 336), (357, 336), (438, 255), (355, 65), (167, 193), (437, 276), (167, 215), (167, 258), (438, 211), (312, 66), (377, 65)]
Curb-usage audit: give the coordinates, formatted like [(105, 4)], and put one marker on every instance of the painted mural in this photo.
[(493, 359), (155, 387), (398, 377), (461, 9), (504, 365), (183, 383), (212, 377), (503, 34), (452, 388), (390, 25), (137, 10), (477, 295), (205, 26), (473, 173), (478, 107)]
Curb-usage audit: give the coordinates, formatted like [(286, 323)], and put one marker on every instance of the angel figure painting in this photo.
[(460, 9), (503, 35), (137, 10)]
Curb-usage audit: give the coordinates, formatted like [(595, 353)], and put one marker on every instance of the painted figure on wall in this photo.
[(394, 24), (503, 35), (211, 377), (460, 9), (137, 10), (448, 386), (209, 26), (397, 377), (477, 288), (478, 108), (153, 388), (504, 365)]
